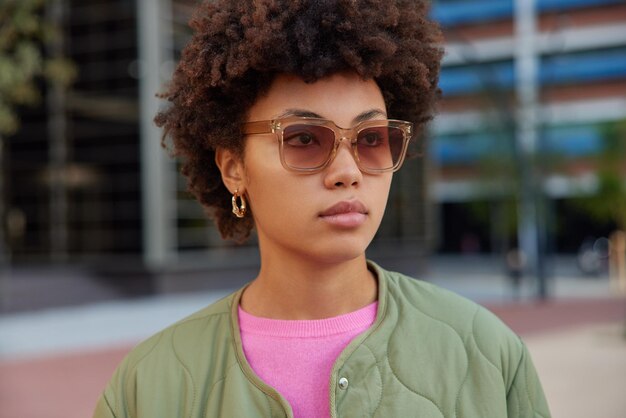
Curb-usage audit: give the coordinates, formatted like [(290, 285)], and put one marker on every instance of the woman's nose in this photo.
[(343, 171)]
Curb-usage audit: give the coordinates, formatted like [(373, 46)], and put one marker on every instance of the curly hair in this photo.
[(238, 47)]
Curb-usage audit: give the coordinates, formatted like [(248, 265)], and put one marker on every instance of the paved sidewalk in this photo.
[(583, 370), (54, 363), (581, 360)]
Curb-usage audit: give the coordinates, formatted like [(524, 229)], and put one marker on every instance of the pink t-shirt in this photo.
[(296, 357)]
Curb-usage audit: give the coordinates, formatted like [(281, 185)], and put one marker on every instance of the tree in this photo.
[(609, 200), (24, 36), (29, 61)]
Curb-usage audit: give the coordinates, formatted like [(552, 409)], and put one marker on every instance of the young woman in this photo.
[(291, 117)]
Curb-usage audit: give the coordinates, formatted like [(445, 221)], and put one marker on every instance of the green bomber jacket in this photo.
[(429, 354)]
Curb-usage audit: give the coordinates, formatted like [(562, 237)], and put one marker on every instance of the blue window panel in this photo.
[(561, 5), (463, 80), (583, 67), (587, 67), (571, 141), (576, 141), (458, 12), (451, 13), (465, 149)]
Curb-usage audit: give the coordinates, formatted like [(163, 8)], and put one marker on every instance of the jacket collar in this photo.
[(381, 276)]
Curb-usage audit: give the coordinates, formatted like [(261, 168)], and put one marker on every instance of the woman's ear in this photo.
[(232, 169)]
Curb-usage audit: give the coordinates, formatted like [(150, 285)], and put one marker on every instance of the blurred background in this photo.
[(517, 202)]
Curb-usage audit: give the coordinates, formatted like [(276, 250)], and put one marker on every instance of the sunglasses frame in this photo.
[(278, 126)]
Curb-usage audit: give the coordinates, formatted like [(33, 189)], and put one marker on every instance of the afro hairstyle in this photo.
[(238, 47)]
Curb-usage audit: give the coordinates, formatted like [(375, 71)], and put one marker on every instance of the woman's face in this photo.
[(329, 216)]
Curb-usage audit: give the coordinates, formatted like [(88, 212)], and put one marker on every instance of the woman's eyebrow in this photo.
[(367, 115), (300, 113)]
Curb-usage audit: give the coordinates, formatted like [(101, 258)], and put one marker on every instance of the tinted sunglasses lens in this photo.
[(307, 146), (380, 147)]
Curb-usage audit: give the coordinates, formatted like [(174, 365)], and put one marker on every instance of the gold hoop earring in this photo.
[(239, 209)]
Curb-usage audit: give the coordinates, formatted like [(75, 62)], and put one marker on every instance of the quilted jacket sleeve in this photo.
[(525, 398), (103, 410)]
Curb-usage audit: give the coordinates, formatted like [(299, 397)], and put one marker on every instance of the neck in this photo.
[(296, 288)]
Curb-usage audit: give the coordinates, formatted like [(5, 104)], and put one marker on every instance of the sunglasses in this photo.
[(310, 144)]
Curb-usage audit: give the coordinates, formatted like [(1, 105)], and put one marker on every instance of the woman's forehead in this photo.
[(340, 97)]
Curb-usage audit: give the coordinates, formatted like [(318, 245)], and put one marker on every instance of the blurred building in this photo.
[(580, 52), (74, 168), (89, 182)]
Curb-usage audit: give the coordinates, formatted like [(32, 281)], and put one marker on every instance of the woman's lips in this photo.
[(346, 214)]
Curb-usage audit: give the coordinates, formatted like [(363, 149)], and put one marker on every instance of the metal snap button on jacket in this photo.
[(343, 383)]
